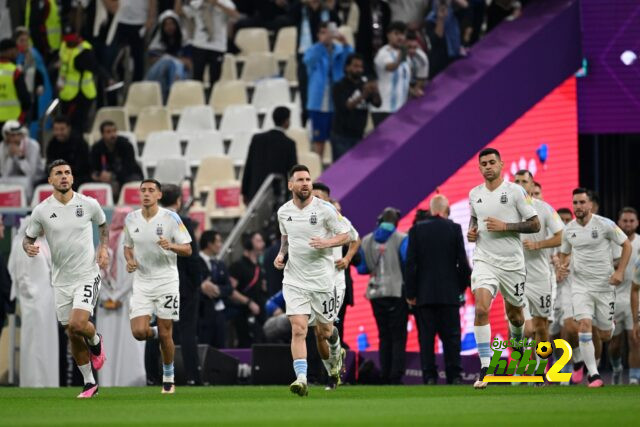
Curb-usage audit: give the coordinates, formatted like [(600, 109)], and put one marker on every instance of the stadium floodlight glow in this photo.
[(628, 57)]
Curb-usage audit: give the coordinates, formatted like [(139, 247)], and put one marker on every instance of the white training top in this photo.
[(309, 268), (204, 13), (341, 280), (134, 12), (70, 236), (156, 266), (392, 85), (509, 203), (589, 246), (537, 261), (623, 290)]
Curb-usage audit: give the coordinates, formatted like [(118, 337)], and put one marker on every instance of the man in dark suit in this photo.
[(437, 274), (270, 152)]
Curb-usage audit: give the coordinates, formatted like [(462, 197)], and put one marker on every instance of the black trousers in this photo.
[(77, 110), (391, 316), (186, 332), (443, 320), (201, 58), (212, 324), (129, 35)]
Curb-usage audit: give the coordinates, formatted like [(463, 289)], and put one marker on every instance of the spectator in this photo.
[(437, 274), (134, 19), (375, 17), (383, 255), (410, 11), (20, 161), (209, 38), (38, 82), (167, 53), (7, 306), (273, 276), (272, 15), (189, 277), (215, 287), (113, 160), (351, 96), (249, 291), (270, 152), (325, 62), (16, 99), (70, 146), (42, 18), (444, 34), (394, 73), (277, 328), (419, 65)]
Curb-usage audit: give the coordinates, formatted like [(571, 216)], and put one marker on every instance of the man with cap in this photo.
[(15, 99), (20, 160)]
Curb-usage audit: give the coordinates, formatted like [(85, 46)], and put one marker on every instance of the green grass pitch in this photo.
[(349, 405)]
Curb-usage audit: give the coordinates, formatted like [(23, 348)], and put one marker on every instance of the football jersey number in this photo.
[(170, 299), (88, 291), (545, 302), (329, 307), (519, 289)]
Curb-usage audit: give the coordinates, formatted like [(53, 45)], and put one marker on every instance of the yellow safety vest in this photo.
[(52, 24), (10, 108), (73, 80)]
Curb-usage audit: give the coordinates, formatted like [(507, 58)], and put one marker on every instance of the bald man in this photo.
[(437, 275)]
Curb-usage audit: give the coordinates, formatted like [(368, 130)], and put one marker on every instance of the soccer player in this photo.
[(634, 374), (588, 239), (323, 192), (500, 211), (310, 227), (538, 288), (154, 238), (536, 193), (624, 318), (66, 219)]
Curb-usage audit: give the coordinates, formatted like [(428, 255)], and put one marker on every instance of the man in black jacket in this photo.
[(189, 276), (269, 152), (437, 274)]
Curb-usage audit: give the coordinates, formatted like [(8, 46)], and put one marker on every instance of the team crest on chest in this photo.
[(159, 230), (594, 233), (313, 219), (79, 211), (503, 198)]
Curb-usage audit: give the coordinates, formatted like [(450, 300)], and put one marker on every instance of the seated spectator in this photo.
[(20, 161), (69, 146), (325, 65), (214, 289), (270, 152), (443, 31), (249, 292), (209, 35), (13, 91), (394, 73), (351, 96), (167, 53), (113, 160), (419, 65)]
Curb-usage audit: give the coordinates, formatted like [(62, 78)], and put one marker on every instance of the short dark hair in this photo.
[(171, 193), (298, 168), (352, 57), (580, 190), (280, 115), (593, 196), (208, 236), (153, 181), (565, 211), (55, 164), (391, 215), (322, 187), (524, 172), (105, 124), (412, 35), (537, 184), (247, 239), (62, 119), (628, 209), (398, 26), (489, 151), (323, 25)]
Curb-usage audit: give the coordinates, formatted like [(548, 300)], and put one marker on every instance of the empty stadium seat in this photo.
[(130, 194), (172, 170), (161, 145), (312, 161), (198, 213), (285, 45), (301, 138), (291, 71), (239, 147), (152, 119), (185, 93), (118, 115), (196, 118), (228, 93), (98, 190), (213, 168), (203, 144), (229, 68), (259, 66), (224, 199), (12, 196), (141, 95), (269, 93), (40, 193), (238, 118), (252, 40)]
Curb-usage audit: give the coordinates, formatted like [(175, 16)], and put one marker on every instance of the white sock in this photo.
[(516, 331), (154, 329), (483, 338), (94, 341), (334, 347), (577, 355), (87, 373), (327, 365), (588, 352)]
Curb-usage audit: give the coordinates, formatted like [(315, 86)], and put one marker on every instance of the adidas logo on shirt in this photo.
[(289, 219), (479, 201), (136, 231), (573, 235), (53, 215)]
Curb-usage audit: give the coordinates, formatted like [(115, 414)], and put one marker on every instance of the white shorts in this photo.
[(538, 296), (510, 283), (340, 292), (321, 307), (165, 304), (597, 306), (82, 296), (622, 317)]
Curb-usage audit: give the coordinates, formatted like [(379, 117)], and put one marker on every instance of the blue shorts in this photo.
[(321, 125)]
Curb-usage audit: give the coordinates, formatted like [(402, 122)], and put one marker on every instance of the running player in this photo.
[(537, 288), (323, 192), (310, 227), (634, 373), (154, 238), (500, 211), (588, 239), (624, 319), (66, 217)]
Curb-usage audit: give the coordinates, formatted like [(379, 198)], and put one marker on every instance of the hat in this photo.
[(12, 126)]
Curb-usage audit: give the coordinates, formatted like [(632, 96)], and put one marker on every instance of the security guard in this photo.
[(42, 18), (15, 99)]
